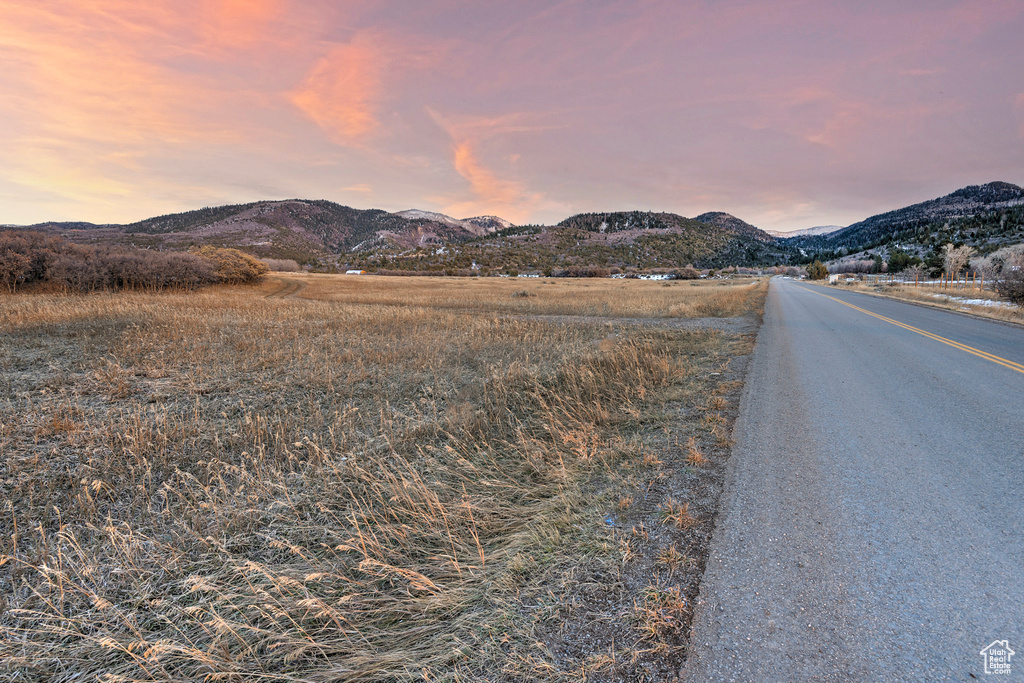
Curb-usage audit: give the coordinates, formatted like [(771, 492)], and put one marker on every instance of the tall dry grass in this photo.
[(953, 299), (217, 486), (547, 296)]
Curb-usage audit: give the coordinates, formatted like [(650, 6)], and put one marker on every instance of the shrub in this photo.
[(13, 268), (1010, 284), (232, 266), (1012, 287), (281, 265), (687, 273), (862, 266), (25, 255), (582, 271), (32, 257), (817, 271)]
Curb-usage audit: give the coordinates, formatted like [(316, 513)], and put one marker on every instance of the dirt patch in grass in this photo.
[(287, 287), (223, 486)]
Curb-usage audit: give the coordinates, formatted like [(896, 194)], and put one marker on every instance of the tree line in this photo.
[(30, 257)]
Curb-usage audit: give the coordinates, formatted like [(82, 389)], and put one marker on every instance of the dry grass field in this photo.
[(360, 479), (535, 296)]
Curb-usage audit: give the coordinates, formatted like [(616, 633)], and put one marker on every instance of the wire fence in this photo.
[(962, 282)]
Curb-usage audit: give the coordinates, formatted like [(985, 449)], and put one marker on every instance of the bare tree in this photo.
[(915, 273), (13, 268), (956, 257)]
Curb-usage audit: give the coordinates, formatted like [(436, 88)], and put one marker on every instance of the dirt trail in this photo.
[(289, 289)]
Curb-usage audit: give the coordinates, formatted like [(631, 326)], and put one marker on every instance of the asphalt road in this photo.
[(873, 519)]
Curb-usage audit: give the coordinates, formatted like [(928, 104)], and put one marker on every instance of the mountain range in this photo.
[(328, 235), (305, 230), (985, 217), (818, 230)]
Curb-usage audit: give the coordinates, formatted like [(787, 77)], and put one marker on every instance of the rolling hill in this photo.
[(627, 239), (306, 230), (328, 235), (985, 217)]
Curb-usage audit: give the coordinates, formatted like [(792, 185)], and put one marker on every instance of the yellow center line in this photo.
[(957, 345)]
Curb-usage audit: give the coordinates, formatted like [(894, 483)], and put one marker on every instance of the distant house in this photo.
[(353, 272)]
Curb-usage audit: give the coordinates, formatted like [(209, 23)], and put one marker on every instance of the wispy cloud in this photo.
[(120, 108), (342, 91), (490, 193)]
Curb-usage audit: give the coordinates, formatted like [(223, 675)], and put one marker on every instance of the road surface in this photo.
[(872, 526)]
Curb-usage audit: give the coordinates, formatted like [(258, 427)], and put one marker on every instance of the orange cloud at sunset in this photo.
[(341, 91), (113, 110), (240, 22), (492, 195)]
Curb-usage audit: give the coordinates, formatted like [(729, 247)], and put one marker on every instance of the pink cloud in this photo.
[(657, 104), (491, 194), (342, 91)]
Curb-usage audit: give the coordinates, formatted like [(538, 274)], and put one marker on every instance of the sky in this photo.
[(786, 113)]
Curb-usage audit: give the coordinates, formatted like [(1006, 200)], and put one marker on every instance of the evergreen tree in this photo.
[(817, 271)]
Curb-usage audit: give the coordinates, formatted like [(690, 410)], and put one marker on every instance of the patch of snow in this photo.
[(414, 214), (975, 302), (818, 230)]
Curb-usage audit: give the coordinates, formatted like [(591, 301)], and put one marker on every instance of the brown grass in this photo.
[(361, 484), (547, 296), (694, 456), (926, 295)]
